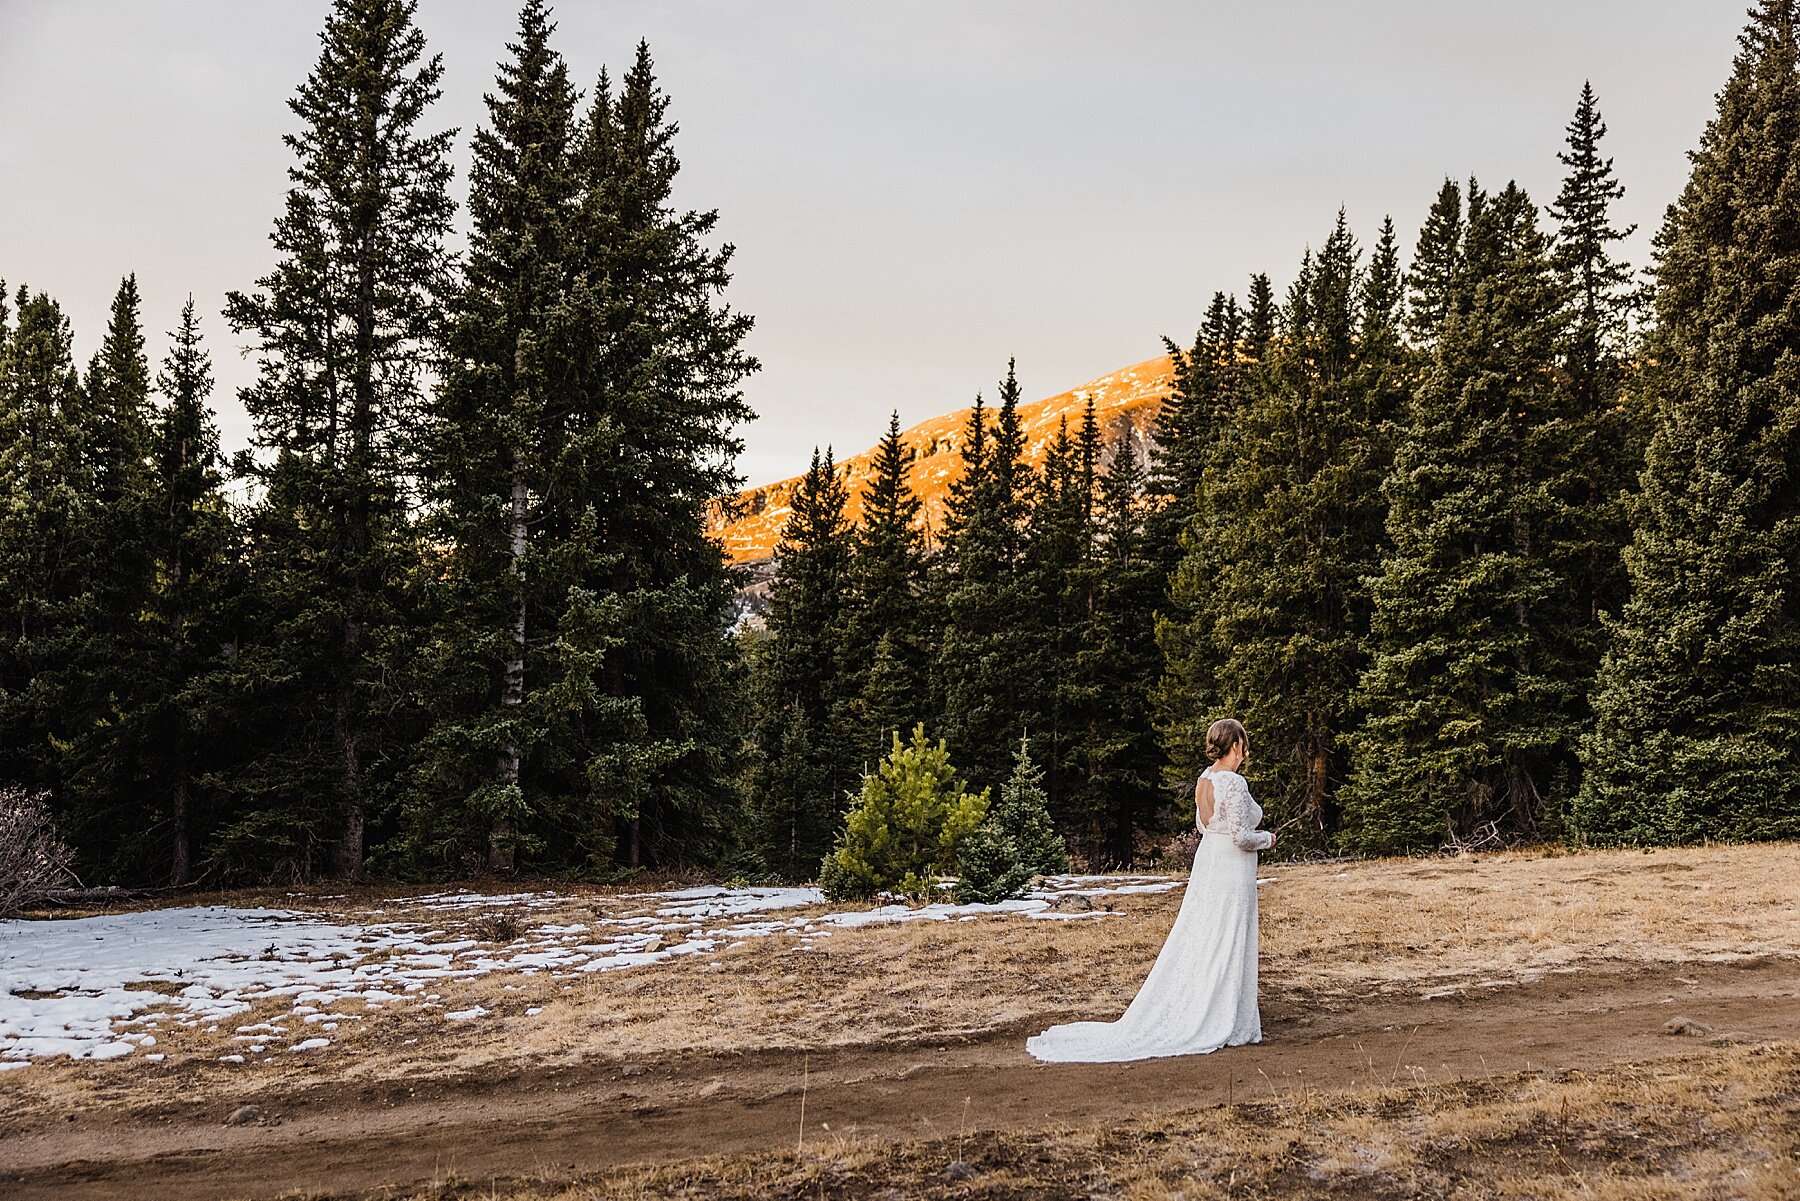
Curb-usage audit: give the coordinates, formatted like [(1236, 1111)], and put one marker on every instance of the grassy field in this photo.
[(1724, 1123), (1339, 940), (1330, 933)]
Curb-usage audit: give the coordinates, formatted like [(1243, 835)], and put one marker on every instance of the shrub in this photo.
[(33, 859), (904, 828)]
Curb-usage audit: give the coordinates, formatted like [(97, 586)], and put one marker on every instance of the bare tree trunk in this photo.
[(1317, 776), (348, 857), (181, 858), (501, 854), (360, 477)]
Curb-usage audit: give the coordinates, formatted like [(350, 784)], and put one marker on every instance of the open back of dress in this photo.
[(1201, 993)]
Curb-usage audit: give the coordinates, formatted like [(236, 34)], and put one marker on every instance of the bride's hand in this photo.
[(1273, 839)]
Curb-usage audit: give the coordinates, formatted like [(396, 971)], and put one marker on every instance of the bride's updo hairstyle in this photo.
[(1222, 735)]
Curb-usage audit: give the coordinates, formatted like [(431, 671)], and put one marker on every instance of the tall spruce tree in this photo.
[(887, 640), (1118, 763), (1473, 697), (117, 403), (1260, 317), (662, 371), (807, 757), (46, 509), (1600, 290), (1206, 391), (344, 329), (492, 469), (1061, 578), (1209, 390), (190, 541), (1213, 382), (1610, 430), (110, 660), (1298, 509), (1697, 731), (983, 659), (1437, 260)]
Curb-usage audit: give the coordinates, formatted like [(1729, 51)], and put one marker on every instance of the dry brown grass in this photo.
[(1710, 1125), (1330, 932), (1407, 923)]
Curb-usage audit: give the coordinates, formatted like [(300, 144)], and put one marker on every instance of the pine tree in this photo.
[(1119, 763), (46, 508), (988, 866), (1300, 502), (1600, 293), (110, 659), (1609, 433), (806, 757), (117, 404), (886, 630), (983, 661), (1473, 697), (890, 694), (904, 829), (1214, 382), (1260, 317), (343, 329), (190, 540), (491, 471), (1437, 259), (1696, 720), (1061, 577), (661, 369), (1015, 841), (943, 580), (1206, 393), (1023, 810)]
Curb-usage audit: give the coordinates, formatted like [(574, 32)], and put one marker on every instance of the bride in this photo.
[(1201, 993)]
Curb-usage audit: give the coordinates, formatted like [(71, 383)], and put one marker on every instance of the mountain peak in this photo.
[(749, 523)]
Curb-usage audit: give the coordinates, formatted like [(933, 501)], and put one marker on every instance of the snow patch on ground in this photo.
[(98, 987)]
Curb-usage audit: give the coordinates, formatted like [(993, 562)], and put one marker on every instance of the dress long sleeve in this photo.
[(1235, 814), (1200, 994)]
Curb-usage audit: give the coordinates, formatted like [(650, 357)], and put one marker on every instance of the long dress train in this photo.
[(1201, 993)]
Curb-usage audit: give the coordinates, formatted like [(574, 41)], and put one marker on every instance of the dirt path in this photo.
[(345, 1139)]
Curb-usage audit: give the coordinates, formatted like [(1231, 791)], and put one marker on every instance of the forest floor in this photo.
[(1508, 1025)]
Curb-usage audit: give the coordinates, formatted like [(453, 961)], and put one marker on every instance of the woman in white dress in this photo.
[(1201, 993)]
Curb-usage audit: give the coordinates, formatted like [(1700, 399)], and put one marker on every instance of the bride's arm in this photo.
[(1230, 801)]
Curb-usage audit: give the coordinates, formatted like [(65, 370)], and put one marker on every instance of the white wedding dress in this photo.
[(1201, 993)]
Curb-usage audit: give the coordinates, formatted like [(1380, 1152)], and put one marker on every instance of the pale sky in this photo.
[(917, 189)]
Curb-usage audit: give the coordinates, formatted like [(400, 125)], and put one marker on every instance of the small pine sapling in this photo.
[(1016, 841), (905, 827)]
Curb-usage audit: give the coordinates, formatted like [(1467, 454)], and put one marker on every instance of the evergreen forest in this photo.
[(1486, 534)]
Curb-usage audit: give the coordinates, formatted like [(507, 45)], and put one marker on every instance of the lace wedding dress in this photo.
[(1201, 993)]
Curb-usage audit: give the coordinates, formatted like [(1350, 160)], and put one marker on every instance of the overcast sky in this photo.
[(917, 190)]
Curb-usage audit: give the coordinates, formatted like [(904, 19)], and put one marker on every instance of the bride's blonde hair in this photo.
[(1222, 735)]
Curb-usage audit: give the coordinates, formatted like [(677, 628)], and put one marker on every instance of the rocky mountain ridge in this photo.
[(749, 523)]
